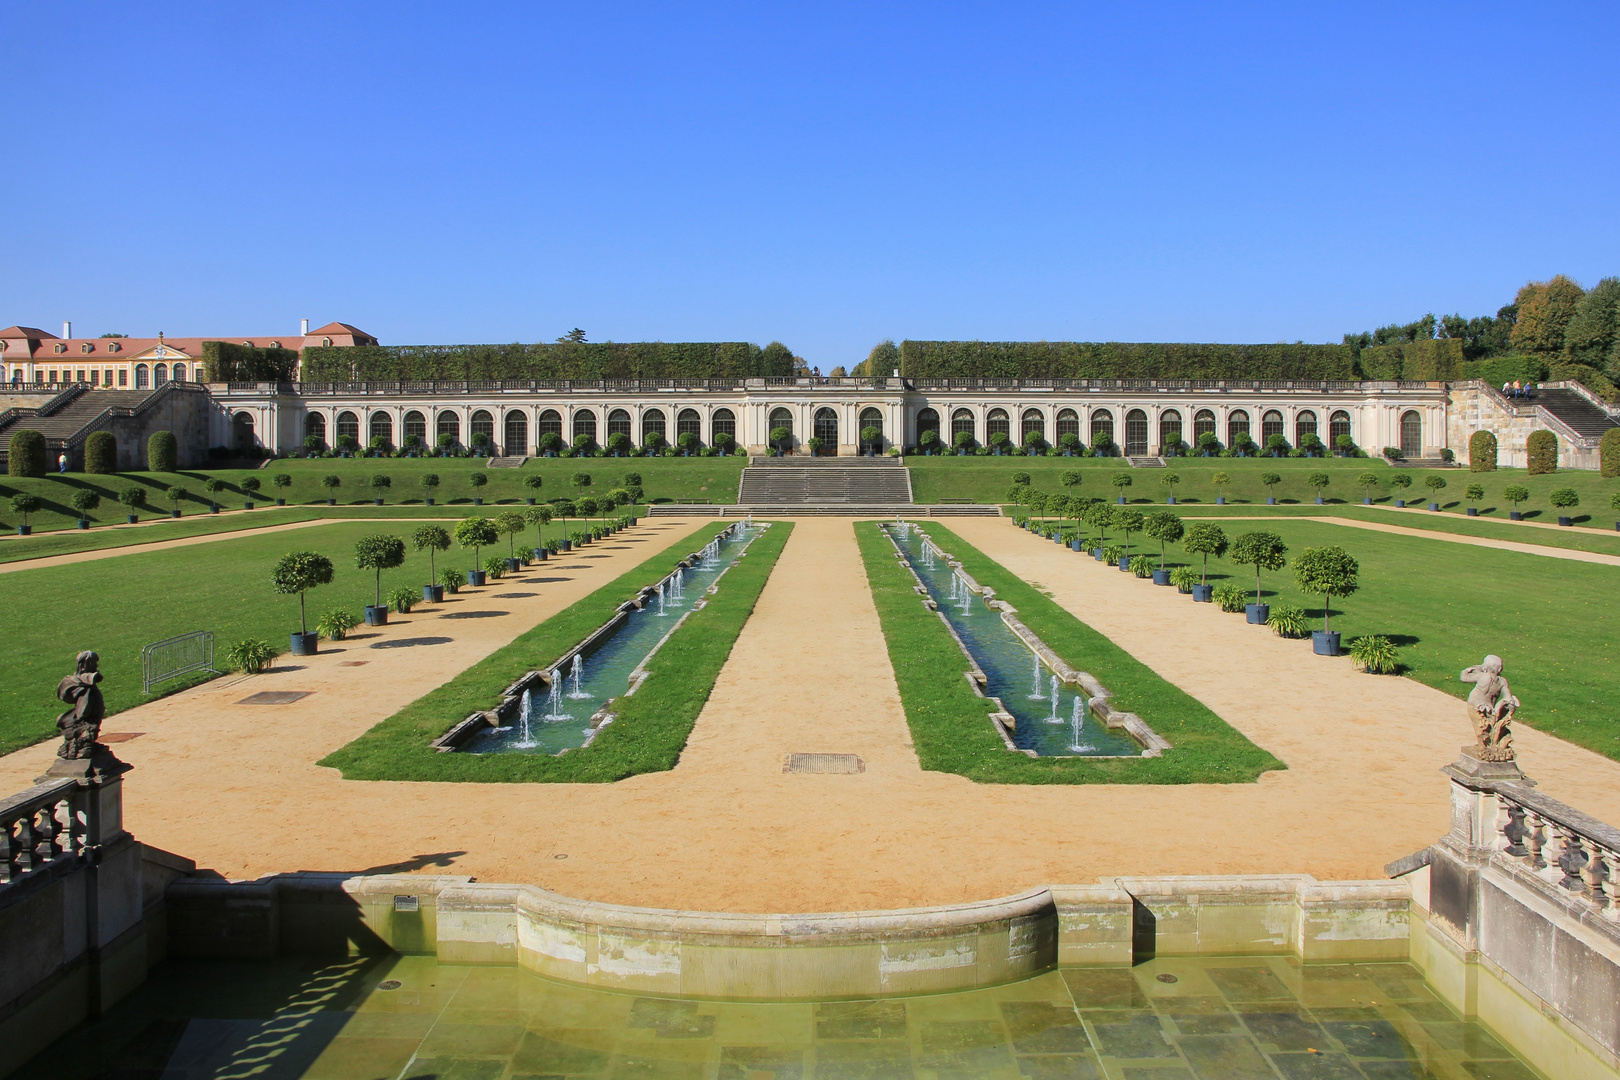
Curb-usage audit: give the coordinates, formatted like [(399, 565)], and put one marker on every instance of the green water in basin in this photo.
[(1232, 1018)]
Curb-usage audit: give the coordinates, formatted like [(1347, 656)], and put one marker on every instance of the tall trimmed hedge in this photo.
[(1541, 452), (26, 453), (1428, 360), (1482, 452), (101, 453), (563, 360), (224, 361), (1121, 360), (162, 452), (1609, 453)]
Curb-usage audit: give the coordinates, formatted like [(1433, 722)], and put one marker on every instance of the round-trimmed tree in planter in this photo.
[(1515, 494), (101, 453), (1400, 482), (1368, 483), (1121, 481), (509, 523), (331, 482), (1126, 519), (1326, 572), (1473, 493), (1270, 480), (1482, 452), (1220, 480), (132, 498), (533, 482), (1436, 484), (25, 504), (84, 501), (564, 509), (379, 484), (176, 495), (213, 485), (1564, 499), (1263, 551), (26, 454), (378, 553), (476, 533), (295, 574), (432, 539), (250, 487), (813, 444), (281, 482), (162, 452), (779, 439), (539, 517), (1319, 481), (1169, 481), (1166, 528), (1204, 538), (430, 484), (872, 439), (478, 480)]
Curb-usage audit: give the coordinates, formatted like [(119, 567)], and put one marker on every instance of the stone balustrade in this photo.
[(42, 828), (1560, 845)]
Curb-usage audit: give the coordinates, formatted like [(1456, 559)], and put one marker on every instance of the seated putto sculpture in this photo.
[(80, 725), (1490, 705)]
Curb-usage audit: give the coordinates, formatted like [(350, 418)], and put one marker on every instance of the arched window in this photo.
[(652, 423), (415, 426), (1203, 424), (1411, 433), (483, 424), (1136, 433), (780, 418), (179, 373), (1304, 424), (962, 421), (1068, 423), (1102, 427), (1338, 424), (1237, 420), (1032, 427), (242, 432), (143, 377), (1169, 429), (382, 425), (618, 423), (584, 424), (517, 434), (449, 424), (927, 420), (826, 424), (315, 424), (348, 424), (160, 374), (1271, 423), (997, 423), (871, 418), (724, 422), (688, 422), (550, 424)]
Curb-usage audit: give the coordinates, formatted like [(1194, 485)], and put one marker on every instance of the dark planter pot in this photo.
[(541, 554), (25, 530), (1270, 501), (1566, 522), (513, 565), (1220, 500), (1122, 500), (1202, 594), (214, 509), (301, 644), (475, 577), (174, 513), (377, 502), (1434, 506), (1325, 642), (84, 523), (1257, 613), (1473, 511), (377, 616), (433, 594), (565, 545), (135, 519), (1124, 562), (247, 506), (478, 502), (331, 502), (1400, 504), (1096, 553), (1161, 577), (1074, 545), (281, 502), (1319, 500), (1366, 502), (428, 501), (1170, 500), (529, 501), (1514, 515), (632, 521)]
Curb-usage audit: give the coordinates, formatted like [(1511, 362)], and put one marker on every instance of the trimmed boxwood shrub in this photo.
[(1541, 452), (27, 449), (162, 452), (101, 453), (1482, 451), (1609, 453)]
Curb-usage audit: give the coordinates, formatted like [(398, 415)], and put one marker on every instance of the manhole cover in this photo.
[(119, 736), (389, 984), (275, 697), (824, 764), (1167, 978)]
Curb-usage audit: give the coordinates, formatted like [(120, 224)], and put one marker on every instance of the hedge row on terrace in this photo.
[(1122, 360), (563, 360)]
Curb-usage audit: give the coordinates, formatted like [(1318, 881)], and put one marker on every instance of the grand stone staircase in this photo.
[(800, 485), (1573, 408)]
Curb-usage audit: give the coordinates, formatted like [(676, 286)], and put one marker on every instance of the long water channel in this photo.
[(549, 724), (1052, 718)]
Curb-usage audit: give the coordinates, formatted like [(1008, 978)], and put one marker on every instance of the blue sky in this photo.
[(829, 175)]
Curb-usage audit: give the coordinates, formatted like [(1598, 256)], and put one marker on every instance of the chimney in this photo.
[(67, 328), (304, 323)]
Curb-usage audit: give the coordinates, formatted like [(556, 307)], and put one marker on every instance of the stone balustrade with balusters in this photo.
[(43, 828), (1560, 845)]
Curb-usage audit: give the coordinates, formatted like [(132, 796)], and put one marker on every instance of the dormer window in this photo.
[(60, 347), (275, 344), (87, 348), (249, 344), (114, 346), (326, 341)]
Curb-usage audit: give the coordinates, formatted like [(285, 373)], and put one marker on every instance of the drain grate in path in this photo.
[(275, 697), (824, 764)]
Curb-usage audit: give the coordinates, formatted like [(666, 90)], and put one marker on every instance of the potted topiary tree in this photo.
[(813, 444), (618, 443), (84, 501), (564, 509), (480, 444), (533, 481), (477, 480), (1515, 494), (379, 484), (250, 487), (213, 485), (132, 497), (1220, 480), (1319, 481), (1166, 528), (1204, 538), (1169, 481), (430, 484), (1263, 551), (1126, 519), (779, 440), (297, 573), (1271, 480), (1343, 445), (586, 508), (872, 438), (331, 482), (26, 504), (378, 553), (963, 441), (1473, 493), (281, 482), (688, 442), (1121, 481), (1400, 482), (998, 442), (1368, 483), (1564, 499), (431, 539), (509, 523), (1435, 484), (476, 533), (1326, 572), (1099, 515), (176, 495), (539, 517)]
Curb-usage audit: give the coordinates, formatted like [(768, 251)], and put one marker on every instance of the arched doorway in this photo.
[(1304, 424), (781, 422), (584, 424), (1271, 423), (448, 429), (382, 427), (997, 423), (653, 431), (517, 434), (143, 376), (1032, 428), (415, 429), (872, 419), (1102, 429), (160, 375), (1136, 433), (1169, 429), (548, 431), (1338, 424), (1068, 423), (242, 433), (1203, 424), (1411, 433), (724, 422), (962, 424), (348, 430), (618, 423), (483, 431), (1236, 421), (179, 373), (826, 429), (927, 420), (688, 422), (315, 426)]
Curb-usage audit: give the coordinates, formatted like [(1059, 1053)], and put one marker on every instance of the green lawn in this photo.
[(118, 605), (1448, 605), (950, 724), (663, 479), (652, 725)]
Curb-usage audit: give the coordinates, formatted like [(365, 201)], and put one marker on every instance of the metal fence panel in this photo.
[(176, 656)]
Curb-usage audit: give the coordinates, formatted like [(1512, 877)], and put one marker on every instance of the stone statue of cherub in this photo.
[(1490, 706), (80, 725)]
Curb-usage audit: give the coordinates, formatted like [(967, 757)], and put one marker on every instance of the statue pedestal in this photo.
[(1472, 764)]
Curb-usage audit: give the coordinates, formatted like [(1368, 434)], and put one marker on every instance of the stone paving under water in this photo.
[(1233, 1018)]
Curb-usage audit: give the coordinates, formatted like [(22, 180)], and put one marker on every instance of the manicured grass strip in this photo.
[(653, 725), (950, 725)]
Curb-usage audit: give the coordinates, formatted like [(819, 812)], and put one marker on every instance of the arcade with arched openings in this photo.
[(415, 428), (825, 425), (1203, 424), (927, 420), (997, 422), (1032, 428), (549, 424), (871, 419), (688, 422), (1136, 433), (1411, 433), (1304, 424), (654, 431), (1102, 428), (242, 436), (1271, 423), (781, 420), (1338, 424), (348, 426), (1169, 429), (516, 436), (723, 422), (1237, 422), (962, 424), (447, 429), (382, 427), (584, 425)]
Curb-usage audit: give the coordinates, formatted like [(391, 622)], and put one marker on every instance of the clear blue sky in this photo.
[(828, 175)]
